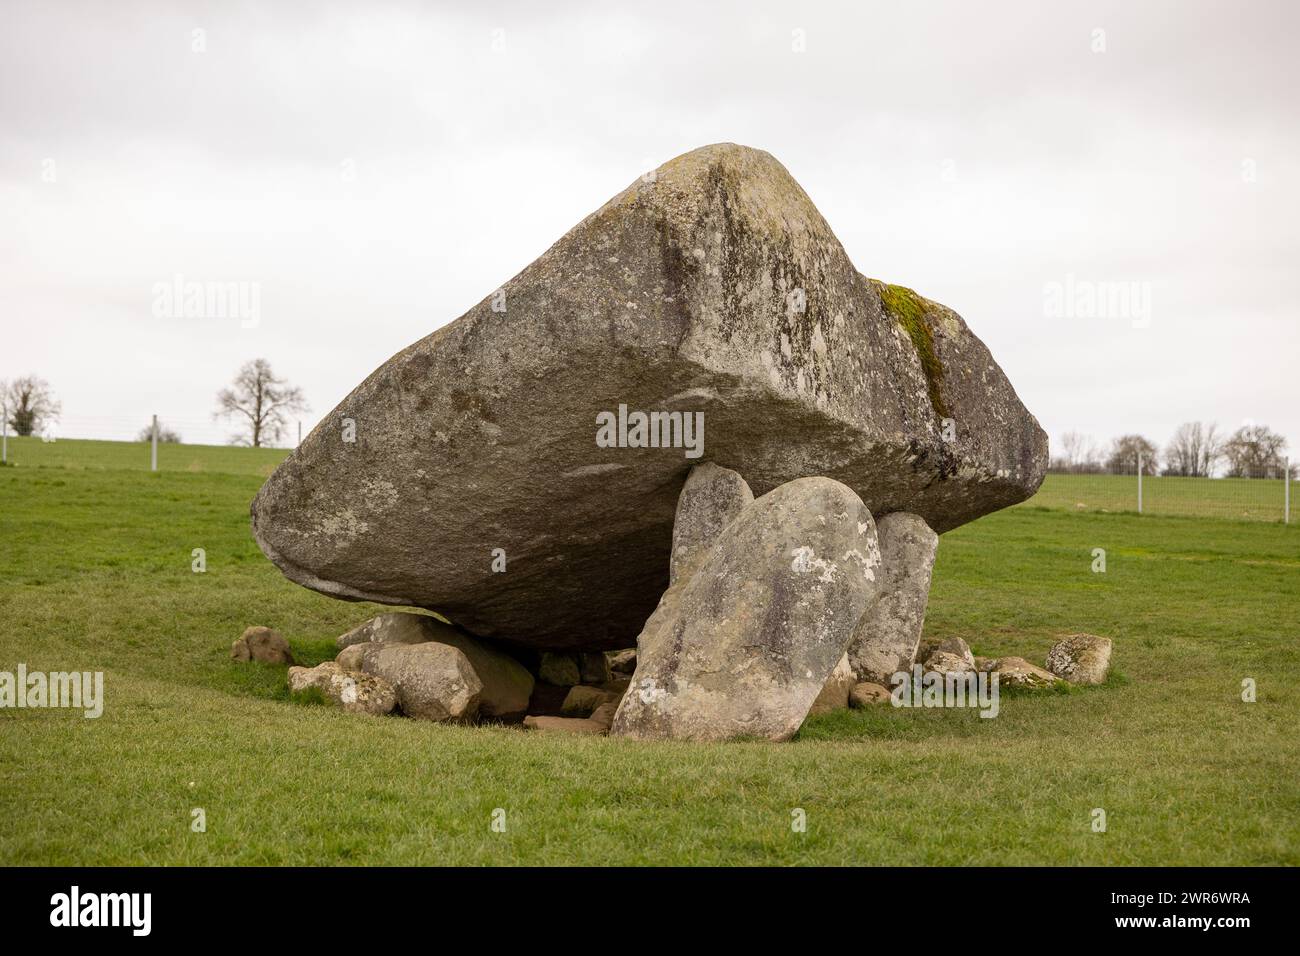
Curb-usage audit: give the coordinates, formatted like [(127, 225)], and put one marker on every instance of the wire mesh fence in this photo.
[(1264, 495), (116, 442)]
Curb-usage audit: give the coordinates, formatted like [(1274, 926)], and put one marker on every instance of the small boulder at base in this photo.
[(352, 657), (742, 646), (582, 700), (505, 685), (1018, 672), (434, 681), (865, 694), (1081, 658), (261, 644), (835, 695), (566, 725), (354, 692), (593, 668), (561, 670), (885, 640), (952, 646), (946, 662), (622, 662)]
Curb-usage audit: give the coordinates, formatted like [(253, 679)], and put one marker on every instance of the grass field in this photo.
[(1250, 499), (95, 574)]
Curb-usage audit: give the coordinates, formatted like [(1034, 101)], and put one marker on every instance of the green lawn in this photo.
[(1251, 499), (95, 574), (34, 452)]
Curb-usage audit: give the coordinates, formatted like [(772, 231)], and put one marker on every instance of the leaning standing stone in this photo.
[(885, 640), (743, 646), (710, 500)]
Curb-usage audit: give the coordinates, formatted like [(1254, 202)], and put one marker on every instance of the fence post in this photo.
[(1286, 493), (299, 431), (1139, 482), (4, 434), (153, 457)]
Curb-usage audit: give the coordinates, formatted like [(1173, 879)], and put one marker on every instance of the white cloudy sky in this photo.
[(379, 167)]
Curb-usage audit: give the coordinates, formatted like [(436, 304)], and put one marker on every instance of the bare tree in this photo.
[(1254, 451), (1079, 453), (165, 435), (29, 404), (262, 400), (1124, 452), (1194, 450)]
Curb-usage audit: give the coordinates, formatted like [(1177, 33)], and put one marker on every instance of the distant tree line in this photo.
[(1196, 450), (258, 400)]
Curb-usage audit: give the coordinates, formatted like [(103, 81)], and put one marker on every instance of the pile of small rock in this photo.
[(421, 667)]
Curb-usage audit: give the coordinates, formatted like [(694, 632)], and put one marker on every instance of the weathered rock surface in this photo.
[(712, 287), (1081, 658), (261, 644), (952, 647), (1018, 672), (566, 725), (582, 700), (562, 670), (395, 628), (710, 500), (434, 681), (865, 694), (440, 672), (593, 667), (353, 691), (743, 646), (835, 695), (623, 662), (886, 638)]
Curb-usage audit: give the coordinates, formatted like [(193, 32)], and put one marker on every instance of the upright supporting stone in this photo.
[(711, 499), (886, 637), (743, 645)]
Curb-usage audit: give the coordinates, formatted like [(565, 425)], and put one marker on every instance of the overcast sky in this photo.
[(374, 169)]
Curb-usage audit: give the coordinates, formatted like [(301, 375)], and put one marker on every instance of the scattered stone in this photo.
[(450, 675), (885, 640), (865, 694), (562, 670), (582, 700), (1081, 658), (710, 500), (835, 695), (604, 714), (1018, 672), (352, 657), (593, 668), (622, 662), (675, 297), (743, 646), (434, 681), (945, 662), (353, 691), (566, 725), (953, 646), (261, 644)]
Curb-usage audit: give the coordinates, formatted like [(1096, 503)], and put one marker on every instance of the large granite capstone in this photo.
[(712, 286)]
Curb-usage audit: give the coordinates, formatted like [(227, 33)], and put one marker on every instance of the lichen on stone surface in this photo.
[(908, 310)]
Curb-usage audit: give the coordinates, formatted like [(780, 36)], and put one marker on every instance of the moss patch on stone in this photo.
[(908, 310)]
